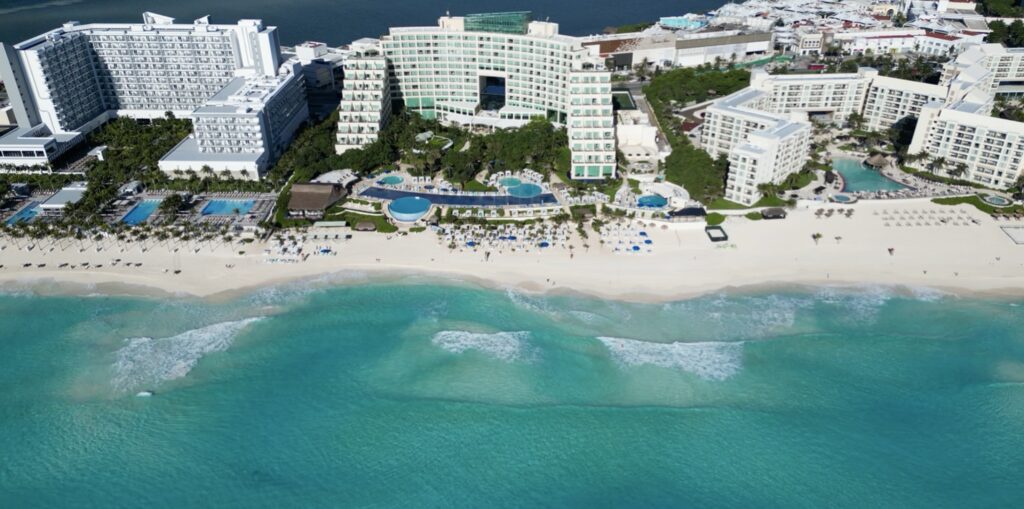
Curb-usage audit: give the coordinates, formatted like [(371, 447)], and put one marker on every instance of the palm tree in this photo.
[(958, 170), (937, 164)]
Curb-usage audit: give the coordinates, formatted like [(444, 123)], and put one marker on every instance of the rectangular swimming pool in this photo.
[(492, 200), (227, 207), (25, 215), (140, 212)]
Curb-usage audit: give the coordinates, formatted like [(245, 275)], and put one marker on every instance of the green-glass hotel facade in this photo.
[(499, 71)]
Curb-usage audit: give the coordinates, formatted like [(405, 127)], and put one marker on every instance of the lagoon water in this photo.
[(334, 22), (417, 393)]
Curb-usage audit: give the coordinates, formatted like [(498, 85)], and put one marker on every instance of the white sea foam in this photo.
[(505, 346), (535, 304), (708, 360), (145, 362)]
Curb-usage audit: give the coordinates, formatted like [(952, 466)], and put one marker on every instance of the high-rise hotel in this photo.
[(229, 78), (492, 70)]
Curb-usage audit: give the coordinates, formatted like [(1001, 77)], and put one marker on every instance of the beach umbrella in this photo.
[(544, 244), (636, 248), (471, 243), (648, 241), (643, 234)]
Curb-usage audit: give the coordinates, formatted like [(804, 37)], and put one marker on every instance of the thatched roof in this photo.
[(773, 213), (365, 226), (877, 160), (312, 196)]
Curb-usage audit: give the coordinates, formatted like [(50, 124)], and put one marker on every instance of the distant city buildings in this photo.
[(67, 82)]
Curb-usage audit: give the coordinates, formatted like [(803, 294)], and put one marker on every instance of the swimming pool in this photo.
[(390, 180), (227, 207), (997, 201), (25, 215), (859, 177), (461, 200), (510, 182), (525, 190), (654, 201), (843, 198), (139, 213), (409, 208)]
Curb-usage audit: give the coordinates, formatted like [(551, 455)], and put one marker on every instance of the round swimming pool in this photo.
[(409, 209), (525, 190), (654, 201), (510, 182), (390, 180), (843, 198), (998, 201)]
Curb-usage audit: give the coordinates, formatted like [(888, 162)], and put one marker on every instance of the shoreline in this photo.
[(966, 254)]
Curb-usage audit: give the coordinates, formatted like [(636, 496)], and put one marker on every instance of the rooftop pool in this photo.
[(227, 207), (860, 177), (25, 215), (140, 212)]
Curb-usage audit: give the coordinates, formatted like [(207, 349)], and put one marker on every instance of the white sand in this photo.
[(685, 263)]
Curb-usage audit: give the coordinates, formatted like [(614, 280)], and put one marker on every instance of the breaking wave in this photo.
[(707, 360), (145, 362), (505, 346)]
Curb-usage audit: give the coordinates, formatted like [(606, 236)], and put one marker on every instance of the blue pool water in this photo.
[(442, 395), (409, 208), (390, 180), (488, 200), (227, 207), (652, 201), (859, 177), (25, 215), (525, 190), (510, 182), (141, 212)]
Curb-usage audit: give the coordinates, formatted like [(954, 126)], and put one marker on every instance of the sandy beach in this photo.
[(965, 257)]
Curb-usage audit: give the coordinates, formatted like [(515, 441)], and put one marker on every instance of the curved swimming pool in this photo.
[(654, 201), (409, 209), (525, 191), (509, 182), (994, 200), (390, 180)]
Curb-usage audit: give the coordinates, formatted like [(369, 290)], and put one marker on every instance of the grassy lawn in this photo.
[(715, 218), (753, 216), (634, 185), (477, 187), (767, 201), (980, 205), (938, 178), (799, 180), (381, 222)]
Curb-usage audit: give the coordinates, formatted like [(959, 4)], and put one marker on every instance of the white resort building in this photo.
[(365, 98), (69, 81), (755, 129), (495, 70)]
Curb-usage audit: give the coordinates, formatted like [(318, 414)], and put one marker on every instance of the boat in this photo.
[(144, 394)]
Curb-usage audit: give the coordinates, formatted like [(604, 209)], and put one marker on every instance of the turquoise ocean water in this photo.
[(427, 394)]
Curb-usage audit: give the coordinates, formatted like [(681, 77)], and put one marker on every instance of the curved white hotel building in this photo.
[(496, 70)]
